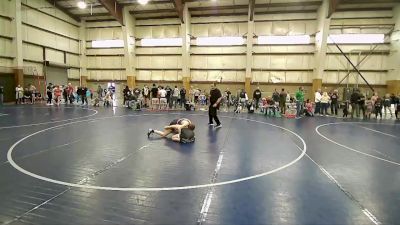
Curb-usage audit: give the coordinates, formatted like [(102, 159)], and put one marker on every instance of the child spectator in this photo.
[(309, 108)]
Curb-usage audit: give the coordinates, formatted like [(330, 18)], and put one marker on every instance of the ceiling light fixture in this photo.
[(81, 5), (143, 2)]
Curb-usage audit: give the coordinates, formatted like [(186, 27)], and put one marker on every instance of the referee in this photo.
[(215, 99)]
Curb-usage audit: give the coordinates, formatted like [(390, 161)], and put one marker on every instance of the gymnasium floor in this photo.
[(97, 166)]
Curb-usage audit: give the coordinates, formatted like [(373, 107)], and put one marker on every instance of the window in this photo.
[(108, 44), (356, 38), (220, 41), (277, 40), (161, 42)]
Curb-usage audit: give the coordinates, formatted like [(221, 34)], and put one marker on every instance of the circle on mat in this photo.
[(352, 149), (80, 185), (51, 122)]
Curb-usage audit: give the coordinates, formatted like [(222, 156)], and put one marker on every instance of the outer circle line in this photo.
[(22, 170), (348, 148), (57, 121)]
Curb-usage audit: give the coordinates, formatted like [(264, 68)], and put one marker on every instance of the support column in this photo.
[(185, 27), (393, 80), (83, 60), (128, 32), (321, 45), (17, 43), (249, 56)]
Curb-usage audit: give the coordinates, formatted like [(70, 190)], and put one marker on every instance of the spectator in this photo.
[(378, 107), (243, 98), (32, 90), (282, 101), (99, 91), (168, 95), (228, 95), (257, 96), (125, 93), (70, 93), (2, 95), (369, 108), (397, 103), (175, 96), (299, 101), (57, 94), (317, 100), (334, 102), (387, 104), (309, 108), (146, 95), (361, 104), (324, 103), (183, 97), (275, 96), (27, 96), (49, 92), (19, 93), (354, 98)]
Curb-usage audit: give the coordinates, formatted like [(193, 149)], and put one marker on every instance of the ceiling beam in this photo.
[(178, 4), (114, 8), (151, 2), (289, 4), (138, 12), (57, 6), (251, 9), (333, 4)]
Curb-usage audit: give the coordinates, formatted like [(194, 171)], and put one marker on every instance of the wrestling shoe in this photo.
[(218, 126), (150, 132), (210, 124)]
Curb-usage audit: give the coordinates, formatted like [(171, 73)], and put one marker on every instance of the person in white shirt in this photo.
[(162, 92), (175, 96), (317, 101)]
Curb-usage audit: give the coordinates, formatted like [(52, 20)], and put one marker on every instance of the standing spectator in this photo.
[(70, 93), (82, 94), (168, 96), (196, 94), (282, 101), (275, 96), (378, 107), (354, 103), (99, 91), (317, 100), (361, 103), (125, 93), (57, 94), (369, 108), (19, 94), (299, 101), (334, 102), (397, 104), (154, 91), (257, 96), (228, 94), (146, 95), (32, 90), (215, 99), (175, 96), (49, 92), (243, 98), (183, 97), (88, 94), (65, 93), (324, 103), (2, 95), (387, 104)]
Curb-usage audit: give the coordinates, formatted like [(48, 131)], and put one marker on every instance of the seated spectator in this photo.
[(309, 108), (27, 95)]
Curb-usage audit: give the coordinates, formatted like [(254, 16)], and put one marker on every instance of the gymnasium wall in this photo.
[(104, 63), (375, 66), (284, 63), (48, 35), (7, 34), (159, 63)]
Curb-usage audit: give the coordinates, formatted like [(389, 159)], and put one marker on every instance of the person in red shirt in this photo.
[(57, 94)]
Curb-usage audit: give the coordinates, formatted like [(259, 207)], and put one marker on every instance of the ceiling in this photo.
[(156, 9)]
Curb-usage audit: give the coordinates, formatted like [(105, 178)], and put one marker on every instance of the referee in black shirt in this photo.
[(215, 99)]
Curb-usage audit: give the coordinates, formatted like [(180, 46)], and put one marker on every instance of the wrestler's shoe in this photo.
[(150, 132)]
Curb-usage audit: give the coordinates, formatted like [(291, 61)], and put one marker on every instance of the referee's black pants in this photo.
[(212, 114)]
